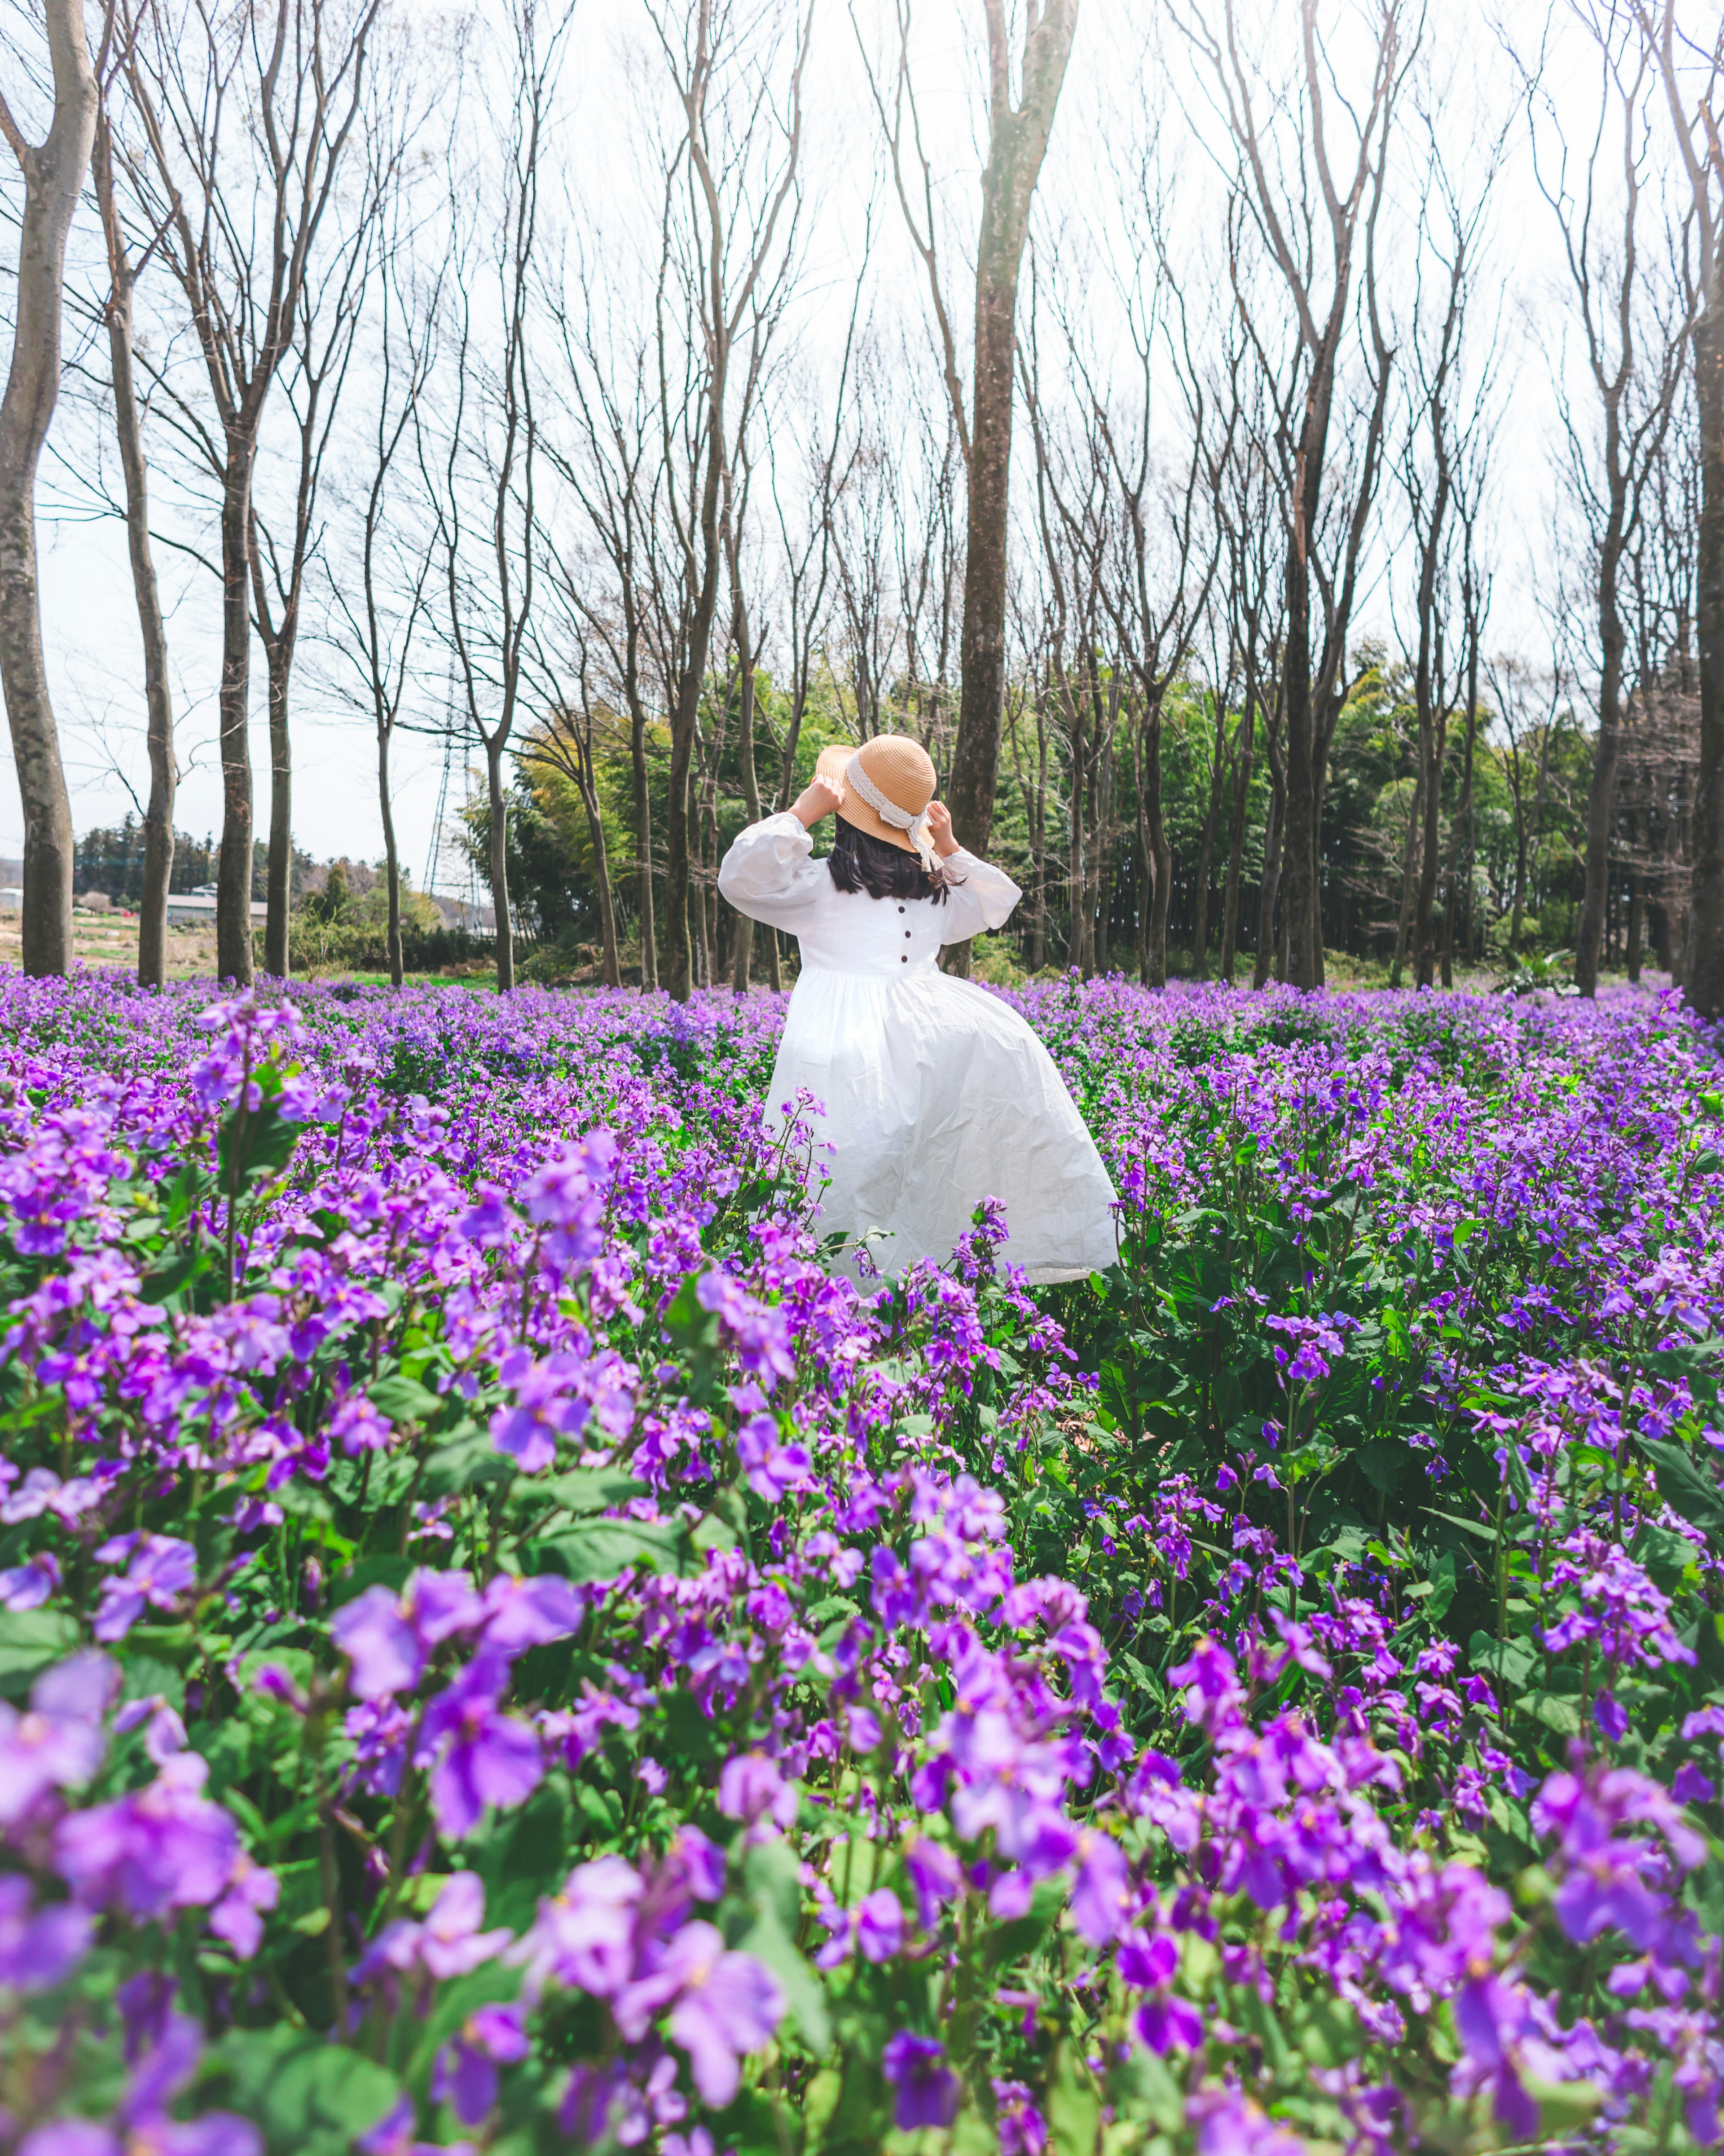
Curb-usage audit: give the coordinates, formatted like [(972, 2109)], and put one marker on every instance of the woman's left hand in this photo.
[(939, 831)]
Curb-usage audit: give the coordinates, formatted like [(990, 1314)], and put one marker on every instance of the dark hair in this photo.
[(859, 861)]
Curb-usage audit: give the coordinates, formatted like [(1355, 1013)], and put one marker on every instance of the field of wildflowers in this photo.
[(504, 1645)]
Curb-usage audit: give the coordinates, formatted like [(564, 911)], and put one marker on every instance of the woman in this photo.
[(935, 1094)]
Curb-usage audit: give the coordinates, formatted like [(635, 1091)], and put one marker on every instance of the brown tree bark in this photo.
[(1703, 966), (158, 701), (1289, 219), (1699, 136), (1017, 142), (1205, 842), (1242, 745), (243, 270), (54, 177)]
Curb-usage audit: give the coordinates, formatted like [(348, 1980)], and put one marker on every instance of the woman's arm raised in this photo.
[(770, 874)]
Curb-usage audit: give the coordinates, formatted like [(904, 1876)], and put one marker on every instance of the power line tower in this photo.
[(434, 859)]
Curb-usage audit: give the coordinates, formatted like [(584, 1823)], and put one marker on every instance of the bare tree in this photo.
[(1634, 325), (607, 461), (313, 375), (1017, 143), (379, 565), (1698, 128), (1282, 137), (123, 273), (245, 111), (483, 480), (570, 738), (54, 171), (729, 261)]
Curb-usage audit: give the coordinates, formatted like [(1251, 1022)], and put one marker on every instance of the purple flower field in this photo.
[(504, 1645)]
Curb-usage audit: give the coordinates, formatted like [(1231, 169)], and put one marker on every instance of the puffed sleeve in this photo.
[(983, 900), (770, 874)]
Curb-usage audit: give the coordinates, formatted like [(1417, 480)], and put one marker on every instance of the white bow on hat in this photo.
[(915, 827)]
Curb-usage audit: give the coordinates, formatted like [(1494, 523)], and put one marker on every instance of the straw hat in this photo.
[(886, 786)]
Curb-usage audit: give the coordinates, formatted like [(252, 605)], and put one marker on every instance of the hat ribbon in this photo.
[(915, 827)]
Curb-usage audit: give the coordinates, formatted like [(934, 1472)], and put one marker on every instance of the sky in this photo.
[(1128, 62)]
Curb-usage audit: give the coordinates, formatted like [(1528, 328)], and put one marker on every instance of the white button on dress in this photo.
[(935, 1093)]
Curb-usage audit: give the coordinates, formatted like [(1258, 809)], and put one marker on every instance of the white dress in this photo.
[(935, 1093)]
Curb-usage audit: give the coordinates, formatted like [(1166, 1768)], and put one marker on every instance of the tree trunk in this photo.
[(1636, 921), (1460, 837), (1236, 840), (1299, 844), (1159, 852), (1263, 959), (1409, 877), (158, 702), (1703, 968), (1018, 139), (1101, 837), (1206, 848), (53, 175), (1076, 883), (499, 861), (1424, 943), (601, 882), (642, 847), (234, 870), (751, 788), (392, 861), (279, 875)]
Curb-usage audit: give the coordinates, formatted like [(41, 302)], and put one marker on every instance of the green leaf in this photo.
[(162, 1282), (310, 2098), (1444, 1585), (255, 1145), (768, 1940), (403, 1400), (30, 1641), (1073, 2106), (468, 1464), (599, 1549), (1005, 1943), (583, 1490), (1684, 1488)]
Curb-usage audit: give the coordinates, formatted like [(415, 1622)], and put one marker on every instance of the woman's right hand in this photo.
[(817, 799)]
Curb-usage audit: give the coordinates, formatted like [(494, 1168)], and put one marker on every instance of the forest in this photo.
[(1277, 476)]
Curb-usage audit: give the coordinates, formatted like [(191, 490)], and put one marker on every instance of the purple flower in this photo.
[(39, 1947), (1098, 1891), (1229, 2124), (1023, 2131), (585, 1936), (1611, 1716), (752, 1788), (466, 2071), (239, 1916), (1489, 2013), (163, 1848), (450, 1942), (481, 1755), (58, 1742), (28, 1586), (1164, 2022), (382, 1647), (530, 1613), (880, 1925), (160, 1570), (927, 2089), (934, 1876), (722, 2005)]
